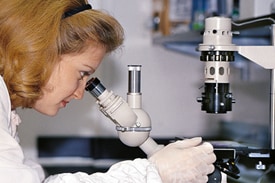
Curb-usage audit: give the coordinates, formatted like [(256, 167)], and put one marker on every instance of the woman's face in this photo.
[(68, 80)]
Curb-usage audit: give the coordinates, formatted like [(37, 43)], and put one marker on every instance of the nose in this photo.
[(79, 92)]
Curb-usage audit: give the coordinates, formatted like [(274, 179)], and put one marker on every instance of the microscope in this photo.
[(133, 124), (217, 52)]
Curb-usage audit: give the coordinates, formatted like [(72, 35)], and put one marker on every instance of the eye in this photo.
[(84, 74)]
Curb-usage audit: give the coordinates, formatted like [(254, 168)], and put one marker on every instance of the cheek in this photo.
[(45, 106), (62, 86), (67, 89), (70, 88)]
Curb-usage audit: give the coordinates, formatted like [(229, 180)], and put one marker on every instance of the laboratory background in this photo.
[(172, 78)]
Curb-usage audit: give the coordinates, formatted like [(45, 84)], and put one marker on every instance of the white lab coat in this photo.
[(14, 167)]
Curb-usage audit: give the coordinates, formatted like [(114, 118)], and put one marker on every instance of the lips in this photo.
[(64, 103)]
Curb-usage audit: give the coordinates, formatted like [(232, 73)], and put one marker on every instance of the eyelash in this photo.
[(83, 74)]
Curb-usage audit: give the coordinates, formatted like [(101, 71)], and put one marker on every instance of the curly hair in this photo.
[(34, 35)]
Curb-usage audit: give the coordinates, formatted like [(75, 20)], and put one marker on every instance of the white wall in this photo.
[(254, 8), (170, 86)]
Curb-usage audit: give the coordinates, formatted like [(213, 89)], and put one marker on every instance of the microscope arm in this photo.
[(261, 55), (264, 56)]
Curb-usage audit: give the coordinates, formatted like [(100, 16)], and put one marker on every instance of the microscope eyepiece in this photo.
[(95, 87), (134, 77)]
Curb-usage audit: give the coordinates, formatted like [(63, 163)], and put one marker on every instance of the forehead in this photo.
[(91, 56)]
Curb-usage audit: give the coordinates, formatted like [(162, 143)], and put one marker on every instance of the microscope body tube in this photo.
[(143, 124), (217, 51), (117, 109)]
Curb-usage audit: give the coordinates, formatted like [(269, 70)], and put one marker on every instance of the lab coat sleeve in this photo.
[(12, 161), (136, 171), (13, 167)]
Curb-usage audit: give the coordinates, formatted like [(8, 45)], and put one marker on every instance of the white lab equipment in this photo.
[(133, 124), (217, 51)]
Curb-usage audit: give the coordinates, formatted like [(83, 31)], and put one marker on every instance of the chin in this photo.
[(48, 112), (52, 114)]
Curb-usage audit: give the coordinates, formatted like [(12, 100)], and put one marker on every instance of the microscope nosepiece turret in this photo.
[(217, 51)]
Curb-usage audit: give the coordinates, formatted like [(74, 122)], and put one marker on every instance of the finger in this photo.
[(202, 179), (205, 152), (207, 147), (209, 155), (211, 169), (205, 168), (211, 159), (186, 143), (208, 158)]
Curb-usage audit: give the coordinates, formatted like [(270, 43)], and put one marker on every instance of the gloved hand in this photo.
[(185, 161)]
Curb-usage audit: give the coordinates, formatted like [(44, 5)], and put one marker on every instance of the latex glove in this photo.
[(185, 161)]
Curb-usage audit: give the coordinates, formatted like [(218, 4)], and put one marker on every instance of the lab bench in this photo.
[(69, 154)]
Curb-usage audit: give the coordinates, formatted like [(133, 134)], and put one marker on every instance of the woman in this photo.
[(48, 49)]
